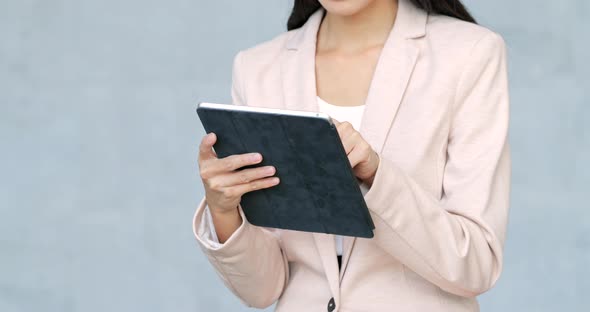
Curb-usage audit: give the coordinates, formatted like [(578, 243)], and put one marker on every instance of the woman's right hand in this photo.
[(224, 185)]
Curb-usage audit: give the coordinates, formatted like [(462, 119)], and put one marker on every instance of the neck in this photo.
[(364, 29)]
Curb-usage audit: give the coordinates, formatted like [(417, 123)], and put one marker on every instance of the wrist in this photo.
[(369, 181), (226, 223), (224, 213)]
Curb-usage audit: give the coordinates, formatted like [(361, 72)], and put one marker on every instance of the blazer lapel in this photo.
[(392, 74), (326, 247), (298, 67), (389, 82), (347, 244)]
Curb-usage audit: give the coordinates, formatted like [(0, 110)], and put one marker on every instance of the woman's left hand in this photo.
[(363, 159)]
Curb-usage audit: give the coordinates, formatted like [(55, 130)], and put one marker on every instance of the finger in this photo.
[(351, 140), (358, 155), (259, 184), (233, 162), (335, 121), (345, 129), (206, 147), (242, 176), (348, 144)]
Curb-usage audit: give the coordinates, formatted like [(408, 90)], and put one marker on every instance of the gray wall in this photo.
[(98, 172)]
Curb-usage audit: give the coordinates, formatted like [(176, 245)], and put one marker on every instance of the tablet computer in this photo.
[(317, 192)]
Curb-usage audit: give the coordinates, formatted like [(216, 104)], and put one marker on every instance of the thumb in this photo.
[(206, 147)]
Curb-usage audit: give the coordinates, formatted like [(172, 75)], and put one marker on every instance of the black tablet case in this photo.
[(318, 191)]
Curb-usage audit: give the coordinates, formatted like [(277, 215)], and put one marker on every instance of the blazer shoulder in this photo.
[(258, 63), (458, 41), (452, 32), (268, 51)]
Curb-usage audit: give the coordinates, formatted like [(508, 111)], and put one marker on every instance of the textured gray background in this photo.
[(98, 173)]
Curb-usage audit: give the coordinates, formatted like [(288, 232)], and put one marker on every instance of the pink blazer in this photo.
[(437, 114)]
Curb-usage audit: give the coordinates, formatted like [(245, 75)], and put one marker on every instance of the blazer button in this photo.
[(331, 305)]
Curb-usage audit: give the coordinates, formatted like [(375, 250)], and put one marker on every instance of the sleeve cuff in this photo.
[(207, 223), (204, 230), (383, 188)]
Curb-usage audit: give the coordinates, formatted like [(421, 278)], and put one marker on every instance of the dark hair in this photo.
[(303, 9)]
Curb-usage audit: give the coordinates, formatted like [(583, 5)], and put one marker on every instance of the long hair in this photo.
[(303, 9)]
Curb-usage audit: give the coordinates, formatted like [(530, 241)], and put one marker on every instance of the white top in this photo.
[(352, 114)]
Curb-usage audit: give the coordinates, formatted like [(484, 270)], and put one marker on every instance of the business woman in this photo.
[(422, 95)]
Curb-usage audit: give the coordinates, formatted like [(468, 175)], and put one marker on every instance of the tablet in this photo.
[(317, 192)]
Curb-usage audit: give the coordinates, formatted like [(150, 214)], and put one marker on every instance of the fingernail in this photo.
[(256, 157)]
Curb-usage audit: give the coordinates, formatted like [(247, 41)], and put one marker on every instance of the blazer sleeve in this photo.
[(251, 262), (456, 241)]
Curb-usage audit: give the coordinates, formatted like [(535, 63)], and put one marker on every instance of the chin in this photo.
[(345, 7)]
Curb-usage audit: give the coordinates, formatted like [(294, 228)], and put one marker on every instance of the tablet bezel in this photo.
[(268, 110)]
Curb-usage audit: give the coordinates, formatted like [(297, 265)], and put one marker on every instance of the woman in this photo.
[(431, 148)]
